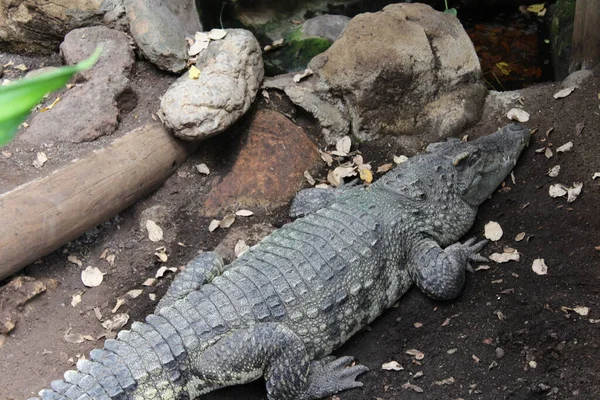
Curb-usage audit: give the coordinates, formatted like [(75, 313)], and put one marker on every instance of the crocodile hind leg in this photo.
[(274, 351), (201, 270), (441, 273)]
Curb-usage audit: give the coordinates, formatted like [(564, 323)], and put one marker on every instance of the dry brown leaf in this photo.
[(446, 322), (384, 168), (203, 169), (76, 299), (563, 93), (98, 314), (418, 355), (343, 145), (517, 114), (452, 351), (240, 248), (539, 266), (118, 305), (520, 236), (161, 254), (327, 158), (358, 159), (214, 224), (74, 260), (110, 259), (155, 233), (244, 213), (447, 381), (40, 160), (412, 387), (92, 276), (493, 231), (217, 34), (150, 281), (548, 152), (392, 366), (482, 268), (557, 190), (553, 172), (366, 175), (400, 159), (565, 147), (418, 325), (506, 256), (306, 73), (227, 221), (135, 293), (574, 191), (116, 322), (309, 178), (71, 337), (152, 296)]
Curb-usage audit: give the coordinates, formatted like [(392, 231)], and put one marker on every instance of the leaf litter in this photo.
[(493, 231), (509, 254), (92, 276), (392, 366)]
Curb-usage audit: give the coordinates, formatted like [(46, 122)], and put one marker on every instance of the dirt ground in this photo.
[(511, 334)]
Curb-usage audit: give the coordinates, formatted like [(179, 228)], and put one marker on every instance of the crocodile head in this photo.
[(481, 165)]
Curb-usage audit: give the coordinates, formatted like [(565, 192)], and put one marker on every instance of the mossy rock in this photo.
[(296, 53)]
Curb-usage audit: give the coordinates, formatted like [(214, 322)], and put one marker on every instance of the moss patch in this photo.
[(295, 54)]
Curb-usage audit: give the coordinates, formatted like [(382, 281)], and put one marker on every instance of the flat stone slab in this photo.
[(231, 70), (269, 169)]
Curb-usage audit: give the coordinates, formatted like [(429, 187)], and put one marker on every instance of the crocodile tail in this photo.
[(146, 359)]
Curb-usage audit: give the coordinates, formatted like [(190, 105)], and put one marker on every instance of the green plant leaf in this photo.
[(451, 11), (18, 98)]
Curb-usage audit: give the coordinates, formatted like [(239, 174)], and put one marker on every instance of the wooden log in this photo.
[(40, 216), (585, 45)]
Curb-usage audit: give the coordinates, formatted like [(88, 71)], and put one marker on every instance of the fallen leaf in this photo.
[(583, 311), (71, 337), (98, 314), (203, 169), (418, 355), (475, 358), (539, 266), (548, 152), (446, 322), (227, 221), (117, 322), (309, 178), (384, 168), (214, 224), (520, 236), (418, 325), (447, 381), (44, 109), (482, 268), (298, 77), (418, 375), (565, 147), (240, 248), (155, 233), (392, 366), (557, 190), (76, 299), (193, 72), (40, 160), (92, 276), (217, 34), (506, 256), (343, 145), (118, 305), (579, 128), (574, 192), (135, 293), (74, 260), (244, 213), (327, 158), (21, 67), (275, 45), (162, 270), (161, 254), (7, 154), (536, 8), (553, 172), (596, 175), (451, 351), (366, 175), (149, 281), (400, 159), (152, 296), (412, 387), (516, 114), (493, 231), (110, 259), (563, 93)]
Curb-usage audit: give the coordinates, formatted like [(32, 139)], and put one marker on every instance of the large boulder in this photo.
[(160, 28), (231, 73), (407, 72)]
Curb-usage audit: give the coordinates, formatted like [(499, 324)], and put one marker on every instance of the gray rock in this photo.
[(407, 72), (231, 73), (89, 110), (159, 28), (326, 26), (576, 78)]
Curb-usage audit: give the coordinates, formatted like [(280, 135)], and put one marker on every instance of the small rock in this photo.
[(499, 353), (231, 73), (325, 26)]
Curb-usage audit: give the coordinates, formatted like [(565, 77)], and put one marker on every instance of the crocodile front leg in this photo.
[(441, 273), (274, 351), (201, 270)]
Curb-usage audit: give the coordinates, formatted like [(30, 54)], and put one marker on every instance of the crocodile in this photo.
[(280, 309)]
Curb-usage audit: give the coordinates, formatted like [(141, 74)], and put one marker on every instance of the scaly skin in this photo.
[(288, 302)]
